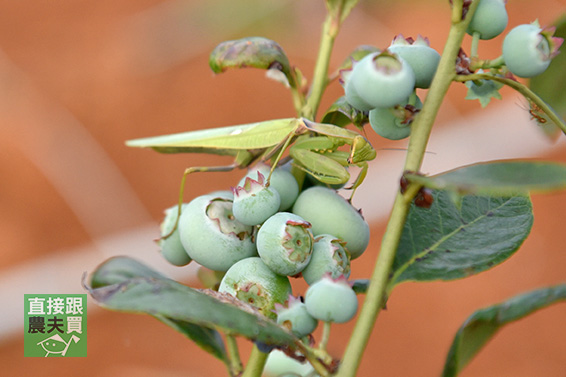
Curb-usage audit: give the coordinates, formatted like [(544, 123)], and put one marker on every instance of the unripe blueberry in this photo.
[(171, 247), (329, 256), (330, 213), (284, 243), (422, 58), (331, 300), (280, 365), (381, 80), (212, 236), (295, 317), (354, 99), (281, 180), (254, 202), (251, 281), (394, 123), (350, 92), (489, 20), (528, 49)]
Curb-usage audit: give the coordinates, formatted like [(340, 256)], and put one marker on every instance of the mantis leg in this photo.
[(359, 179), (188, 171), (281, 147)]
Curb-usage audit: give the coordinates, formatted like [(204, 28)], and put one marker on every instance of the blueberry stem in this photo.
[(487, 64), (317, 358), (296, 92), (320, 78), (256, 363), (420, 133), (524, 90), (475, 43), (337, 13), (325, 335), (235, 363), (457, 7), (413, 98)]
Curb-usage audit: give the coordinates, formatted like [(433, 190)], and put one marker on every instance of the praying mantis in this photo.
[(313, 148)]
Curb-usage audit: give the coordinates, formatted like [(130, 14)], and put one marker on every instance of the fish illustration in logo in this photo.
[(56, 345)]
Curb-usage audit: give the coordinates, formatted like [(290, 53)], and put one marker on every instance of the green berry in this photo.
[(422, 58), (354, 99), (284, 243), (489, 20), (329, 256), (528, 50), (295, 317), (280, 365), (171, 247), (254, 202), (331, 300), (394, 123), (381, 80), (212, 236), (330, 213), (281, 180), (251, 281)]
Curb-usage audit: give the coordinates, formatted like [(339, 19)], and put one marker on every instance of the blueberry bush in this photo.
[(291, 215)]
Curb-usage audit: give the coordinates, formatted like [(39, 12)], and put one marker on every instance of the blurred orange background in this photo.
[(79, 77)]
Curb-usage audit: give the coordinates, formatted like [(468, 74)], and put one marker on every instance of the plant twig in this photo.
[(296, 92), (420, 133), (524, 90), (475, 43), (487, 64), (320, 78), (235, 363), (314, 357), (325, 335), (256, 363)]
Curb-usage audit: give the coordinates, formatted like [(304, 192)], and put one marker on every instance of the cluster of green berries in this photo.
[(527, 49), (262, 234), (383, 83)]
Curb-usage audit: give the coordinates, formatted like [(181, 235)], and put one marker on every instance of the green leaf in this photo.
[(206, 338), (150, 293), (445, 242), (119, 269), (360, 286), (341, 113), (501, 178), (551, 83), (255, 52), (481, 326)]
